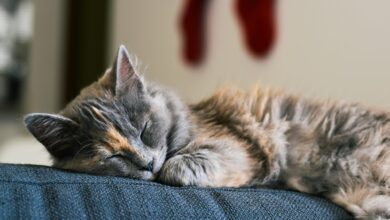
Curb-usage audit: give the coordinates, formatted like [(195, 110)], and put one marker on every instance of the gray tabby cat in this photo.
[(124, 126)]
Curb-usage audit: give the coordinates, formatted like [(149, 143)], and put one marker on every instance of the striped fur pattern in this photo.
[(124, 126)]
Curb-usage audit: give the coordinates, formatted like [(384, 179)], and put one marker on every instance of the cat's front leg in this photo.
[(186, 169), (210, 163)]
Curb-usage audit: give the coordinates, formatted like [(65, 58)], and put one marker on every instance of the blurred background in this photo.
[(50, 49)]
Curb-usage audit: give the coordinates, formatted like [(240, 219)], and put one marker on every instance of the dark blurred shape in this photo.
[(10, 5), (256, 17), (258, 21), (86, 49), (193, 27), (15, 35)]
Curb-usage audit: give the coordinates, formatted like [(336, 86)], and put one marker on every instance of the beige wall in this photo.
[(44, 80), (325, 48)]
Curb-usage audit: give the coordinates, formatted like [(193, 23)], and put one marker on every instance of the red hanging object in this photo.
[(257, 18), (193, 30)]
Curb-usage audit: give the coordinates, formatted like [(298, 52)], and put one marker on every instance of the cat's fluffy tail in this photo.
[(364, 202), (377, 207)]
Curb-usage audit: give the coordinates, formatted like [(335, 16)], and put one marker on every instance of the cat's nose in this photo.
[(148, 167)]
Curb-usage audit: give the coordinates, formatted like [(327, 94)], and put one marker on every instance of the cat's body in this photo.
[(124, 126), (338, 150)]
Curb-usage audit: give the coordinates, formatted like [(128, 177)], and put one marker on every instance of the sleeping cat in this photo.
[(122, 125)]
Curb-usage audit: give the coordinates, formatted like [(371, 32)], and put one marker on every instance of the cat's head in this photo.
[(114, 127)]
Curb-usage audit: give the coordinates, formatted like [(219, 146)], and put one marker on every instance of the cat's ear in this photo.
[(55, 132), (125, 78)]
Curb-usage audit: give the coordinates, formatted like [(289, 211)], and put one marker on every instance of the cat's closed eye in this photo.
[(122, 155), (143, 135), (117, 155), (129, 158)]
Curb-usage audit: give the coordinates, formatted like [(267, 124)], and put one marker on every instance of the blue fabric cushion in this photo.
[(36, 192)]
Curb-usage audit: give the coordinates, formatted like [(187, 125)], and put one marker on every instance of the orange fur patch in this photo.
[(120, 143), (99, 114)]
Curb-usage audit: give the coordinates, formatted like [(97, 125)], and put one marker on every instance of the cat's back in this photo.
[(317, 138), (265, 105)]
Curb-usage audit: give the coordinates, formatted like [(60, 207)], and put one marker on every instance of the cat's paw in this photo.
[(183, 170)]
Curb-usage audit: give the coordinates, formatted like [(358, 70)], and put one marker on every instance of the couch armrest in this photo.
[(28, 191)]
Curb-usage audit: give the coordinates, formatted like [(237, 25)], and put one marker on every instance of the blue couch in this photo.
[(37, 192)]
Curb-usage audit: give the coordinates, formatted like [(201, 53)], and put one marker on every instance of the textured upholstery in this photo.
[(35, 192)]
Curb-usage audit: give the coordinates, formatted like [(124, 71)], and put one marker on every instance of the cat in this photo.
[(122, 125)]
